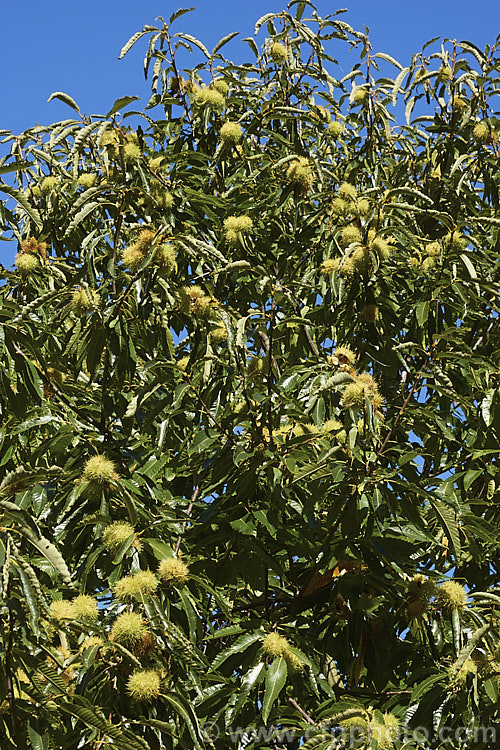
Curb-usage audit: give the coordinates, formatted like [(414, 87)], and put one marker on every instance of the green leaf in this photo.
[(240, 645), (196, 42), (121, 103), (31, 600), (474, 50), (397, 84), (262, 20), (185, 711), (422, 312), (456, 626), (49, 551), (33, 422), (248, 682), (52, 676), (15, 166), (163, 726), (486, 411), (135, 38), (223, 41), (89, 717), (470, 268), (20, 197), (423, 687), (388, 58), (192, 616), (160, 549), (80, 216), (139, 347), (447, 517), (223, 632), (409, 108), (275, 682), (252, 45), (66, 99), (469, 648), (178, 14), (243, 527), (39, 740)]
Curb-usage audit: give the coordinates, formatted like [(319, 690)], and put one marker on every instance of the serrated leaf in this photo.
[(392, 60), (196, 42), (160, 549), (248, 681), (30, 423), (178, 14), (456, 627), (191, 613), (49, 551), (275, 682), (120, 103), (80, 216), (23, 201), (423, 687), (185, 711), (163, 726), (475, 51), (396, 89), (52, 676), (92, 719), (486, 410), (241, 644), (262, 20), (484, 219), (135, 38), (31, 600), (470, 268), (316, 743), (469, 648), (422, 312), (448, 520), (409, 108), (253, 46), (241, 526), (15, 166), (66, 99), (223, 41), (224, 632), (82, 136), (37, 740), (461, 159)]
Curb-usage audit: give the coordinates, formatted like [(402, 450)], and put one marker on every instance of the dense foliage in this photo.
[(249, 394)]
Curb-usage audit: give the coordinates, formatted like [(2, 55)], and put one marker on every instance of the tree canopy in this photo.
[(249, 395)]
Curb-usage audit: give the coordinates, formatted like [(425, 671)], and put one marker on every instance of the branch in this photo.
[(399, 414), (188, 512), (118, 227), (179, 79), (270, 371), (301, 711)]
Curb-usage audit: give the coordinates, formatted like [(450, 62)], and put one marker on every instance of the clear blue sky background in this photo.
[(66, 46), (51, 45)]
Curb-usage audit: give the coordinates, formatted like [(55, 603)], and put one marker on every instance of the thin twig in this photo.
[(178, 77), (270, 371), (188, 512), (301, 711), (399, 414), (209, 414), (118, 227)]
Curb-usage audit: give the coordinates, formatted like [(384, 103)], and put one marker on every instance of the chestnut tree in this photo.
[(250, 406)]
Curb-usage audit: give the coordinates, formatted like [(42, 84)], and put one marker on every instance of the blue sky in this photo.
[(73, 47)]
